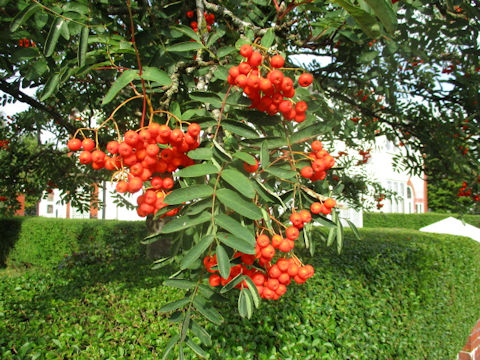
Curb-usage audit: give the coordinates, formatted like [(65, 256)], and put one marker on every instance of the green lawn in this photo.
[(392, 295)]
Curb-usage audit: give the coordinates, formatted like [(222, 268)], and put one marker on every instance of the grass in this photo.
[(393, 295)]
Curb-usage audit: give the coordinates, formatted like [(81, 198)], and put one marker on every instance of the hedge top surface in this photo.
[(411, 221)]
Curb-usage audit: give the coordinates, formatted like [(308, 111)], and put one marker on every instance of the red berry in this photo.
[(246, 50), (317, 145), (301, 106), (135, 184), (121, 187), (124, 149), (194, 129), (268, 252), (305, 79), (276, 241), (251, 168), (285, 106), (296, 219), (307, 172), (152, 150), (277, 61), (85, 157), (88, 144), (287, 85), (274, 272), (292, 233), (276, 77), (258, 279), (176, 136), (244, 68), (168, 183), (330, 203), (255, 59), (292, 269), (131, 138), (263, 240), (283, 264), (306, 216), (214, 280), (156, 182), (190, 14), (112, 147), (98, 156), (74, 144), (210, 19)]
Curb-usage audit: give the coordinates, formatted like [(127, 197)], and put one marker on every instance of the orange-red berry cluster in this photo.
[(272, 282), (365, 154), (139, 160), (324, 207), (271, 94), (466, 191), (379, 200), (321, 162), (26, 43), (209, 19), (4, 144)]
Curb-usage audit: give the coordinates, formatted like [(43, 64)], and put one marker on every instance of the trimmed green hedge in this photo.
[(411, 221), (396, 294), (46, 242)]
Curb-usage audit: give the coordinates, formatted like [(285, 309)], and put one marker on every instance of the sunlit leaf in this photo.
[(241, 206)]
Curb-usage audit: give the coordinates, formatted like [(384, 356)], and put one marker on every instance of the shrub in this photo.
[(46, 242), (396, 294), (412, 221), (9, 228)]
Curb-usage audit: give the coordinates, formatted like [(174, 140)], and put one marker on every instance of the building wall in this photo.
[(51, 206), (411, 189)]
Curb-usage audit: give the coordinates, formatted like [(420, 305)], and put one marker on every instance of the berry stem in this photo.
[(221, 111)]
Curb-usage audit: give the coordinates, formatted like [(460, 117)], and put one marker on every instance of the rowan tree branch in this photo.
[(19, 95)]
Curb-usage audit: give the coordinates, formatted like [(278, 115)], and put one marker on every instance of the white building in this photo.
[(411, 190), (51, 206)]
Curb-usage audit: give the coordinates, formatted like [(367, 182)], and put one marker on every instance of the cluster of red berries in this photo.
[(140, 153), (26, 43), (379, 200), (271, 94), (321, 162), (449, 69), (465, 191), (272, 282), (209, 19), (365, 154), (324, 207), (4, 144)]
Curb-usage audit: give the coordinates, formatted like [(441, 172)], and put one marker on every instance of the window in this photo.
[(419, 208), (409, 192), (50, 209)]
